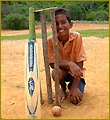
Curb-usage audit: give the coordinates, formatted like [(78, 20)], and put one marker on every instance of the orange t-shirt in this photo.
[(73, 50)]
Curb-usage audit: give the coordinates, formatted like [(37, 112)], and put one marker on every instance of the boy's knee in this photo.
[(62, 74)]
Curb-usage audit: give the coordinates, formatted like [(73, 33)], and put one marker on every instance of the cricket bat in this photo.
[(32, 81)]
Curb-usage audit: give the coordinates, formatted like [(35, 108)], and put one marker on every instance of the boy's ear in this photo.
[(71, 24)]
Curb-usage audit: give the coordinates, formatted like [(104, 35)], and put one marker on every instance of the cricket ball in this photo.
[(56, 110)]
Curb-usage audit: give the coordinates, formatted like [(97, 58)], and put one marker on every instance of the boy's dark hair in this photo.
[(63, 11)]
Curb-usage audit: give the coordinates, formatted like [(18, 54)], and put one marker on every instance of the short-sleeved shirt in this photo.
[(73, 50)]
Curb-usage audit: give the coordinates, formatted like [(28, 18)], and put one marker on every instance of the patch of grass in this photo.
[(39, 23), (4, 80), (18, 86), (101, 33), (21, 37), (90, 22), (39, 35), (17, 37), (11, 54), (23, 53), (17, 53), (42, 70), (80, 21)]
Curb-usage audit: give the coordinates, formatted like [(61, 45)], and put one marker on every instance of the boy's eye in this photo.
[(63, 22)]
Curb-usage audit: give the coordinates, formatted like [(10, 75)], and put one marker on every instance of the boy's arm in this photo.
[(74, 94), (76, 69)]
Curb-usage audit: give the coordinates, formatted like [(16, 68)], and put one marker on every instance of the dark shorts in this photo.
[(70, 79)]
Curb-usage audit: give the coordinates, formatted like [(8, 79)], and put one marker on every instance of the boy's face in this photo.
[(63, 26)]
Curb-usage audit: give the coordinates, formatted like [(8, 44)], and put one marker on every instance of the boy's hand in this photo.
[(75, 95), (75, 70)]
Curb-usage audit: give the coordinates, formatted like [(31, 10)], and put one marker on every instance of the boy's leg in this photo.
[(81, 83), (80, 86), (62, 75)]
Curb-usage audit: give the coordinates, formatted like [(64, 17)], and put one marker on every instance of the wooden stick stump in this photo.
[(56, 57), (46, 60)]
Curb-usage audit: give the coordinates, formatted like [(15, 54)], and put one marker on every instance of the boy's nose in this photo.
[(60, 25)]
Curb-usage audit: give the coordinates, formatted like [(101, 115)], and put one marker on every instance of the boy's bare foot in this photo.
[(62, 94)]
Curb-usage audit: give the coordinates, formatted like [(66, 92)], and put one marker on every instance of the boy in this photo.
[(71, 57)]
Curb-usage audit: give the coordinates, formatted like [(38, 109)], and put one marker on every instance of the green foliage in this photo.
[(5, 10), (47, 14), (79, 10), (14, 22), (90, 16), (102, 15), (76, 11)]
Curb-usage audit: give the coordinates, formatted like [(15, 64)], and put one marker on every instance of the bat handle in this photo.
[(31, 39)]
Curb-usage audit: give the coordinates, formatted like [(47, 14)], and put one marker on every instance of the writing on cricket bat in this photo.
[(32, 82)]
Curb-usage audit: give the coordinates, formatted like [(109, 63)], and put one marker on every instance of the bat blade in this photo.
[(32, 82)]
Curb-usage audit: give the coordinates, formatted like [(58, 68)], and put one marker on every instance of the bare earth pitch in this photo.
[(95, 104)]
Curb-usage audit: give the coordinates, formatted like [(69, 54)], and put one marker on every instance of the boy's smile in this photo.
[(63, 27)]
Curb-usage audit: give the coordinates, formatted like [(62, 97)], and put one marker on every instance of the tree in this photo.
[(76, 10)]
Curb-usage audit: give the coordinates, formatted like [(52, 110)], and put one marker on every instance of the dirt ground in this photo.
[(95, 103), (79, 26)]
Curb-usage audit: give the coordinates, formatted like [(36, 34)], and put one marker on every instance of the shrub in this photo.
[(14, 22), (102, 15), (90, 16), (76, 11)]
